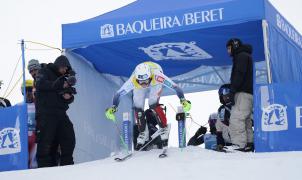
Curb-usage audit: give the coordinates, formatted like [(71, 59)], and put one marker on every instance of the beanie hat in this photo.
[(33, 65)]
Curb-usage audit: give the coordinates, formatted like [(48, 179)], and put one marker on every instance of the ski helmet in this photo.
[(224, 90), (28, 85), (143, 74)]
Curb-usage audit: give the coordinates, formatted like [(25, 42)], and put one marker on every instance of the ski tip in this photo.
[(121, 159), (118, 159), (162, 155)]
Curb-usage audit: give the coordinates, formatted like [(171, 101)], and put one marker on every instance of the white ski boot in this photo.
[(165, 135), (142, 138)]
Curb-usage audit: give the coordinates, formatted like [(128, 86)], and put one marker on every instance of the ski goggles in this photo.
[(144, 82), (145, 76), (224, 91)]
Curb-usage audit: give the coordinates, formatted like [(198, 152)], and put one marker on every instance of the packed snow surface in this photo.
[(181, 164)]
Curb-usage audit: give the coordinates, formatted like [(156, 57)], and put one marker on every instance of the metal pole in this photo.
[(23, 70), (266, 50), (215, 70)]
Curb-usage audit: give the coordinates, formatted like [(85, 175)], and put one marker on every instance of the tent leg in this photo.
[(23, 69), (266, 50), (222, 80)]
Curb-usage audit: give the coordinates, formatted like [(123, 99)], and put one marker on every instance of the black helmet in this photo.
[(224, 90), (235, 43)]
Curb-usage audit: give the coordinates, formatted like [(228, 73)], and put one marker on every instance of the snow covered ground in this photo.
[(187, 164)]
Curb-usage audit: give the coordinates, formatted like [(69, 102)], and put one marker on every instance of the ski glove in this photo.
[(186, 105), (110, 113), (202, 130)]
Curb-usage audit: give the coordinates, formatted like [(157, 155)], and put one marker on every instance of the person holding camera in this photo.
[(54, 93), (33, 68)]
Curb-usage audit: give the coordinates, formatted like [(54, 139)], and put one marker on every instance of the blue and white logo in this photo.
[(221, 114), (274, 118), (10, 141), (107, 31), (176, 51)]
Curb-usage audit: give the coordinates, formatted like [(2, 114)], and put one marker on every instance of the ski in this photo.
[(223, 151), (163, 154), (128, 155), (153, 137), (123, 158)]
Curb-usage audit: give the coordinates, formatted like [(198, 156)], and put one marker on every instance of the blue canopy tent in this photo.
[(186, 37)]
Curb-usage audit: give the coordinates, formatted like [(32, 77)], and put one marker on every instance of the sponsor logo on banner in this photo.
[(274, 118), (161, 23), (10, 141), (176, 51), (107, 31), (126, 129), (288, 30)]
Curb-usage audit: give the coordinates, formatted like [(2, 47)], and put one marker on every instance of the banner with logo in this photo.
[(278, 117), (143, 18), (285, 46), (13, 138)]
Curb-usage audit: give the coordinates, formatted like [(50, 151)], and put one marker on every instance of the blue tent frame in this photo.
[(128, 36)]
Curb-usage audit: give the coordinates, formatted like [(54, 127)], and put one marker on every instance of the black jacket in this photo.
[(242, 70), (49, 85)]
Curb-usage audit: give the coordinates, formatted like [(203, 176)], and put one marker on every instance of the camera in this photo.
[(71, 80)]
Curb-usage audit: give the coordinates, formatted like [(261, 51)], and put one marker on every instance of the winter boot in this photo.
[(142, 138), (165, 135), (249, 147)]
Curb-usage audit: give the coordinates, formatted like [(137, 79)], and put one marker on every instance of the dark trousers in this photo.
[(55, 130), (55, 149)]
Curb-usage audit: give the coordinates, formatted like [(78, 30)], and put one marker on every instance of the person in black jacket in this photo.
[(241, 94), (52, 102), (33, 68)]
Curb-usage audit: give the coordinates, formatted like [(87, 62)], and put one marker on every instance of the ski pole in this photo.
[(184, 128), (121, 137)]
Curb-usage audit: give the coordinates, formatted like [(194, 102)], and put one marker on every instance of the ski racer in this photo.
[(147, 81)]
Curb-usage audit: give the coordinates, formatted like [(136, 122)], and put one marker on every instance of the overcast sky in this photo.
[(40, 20)]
